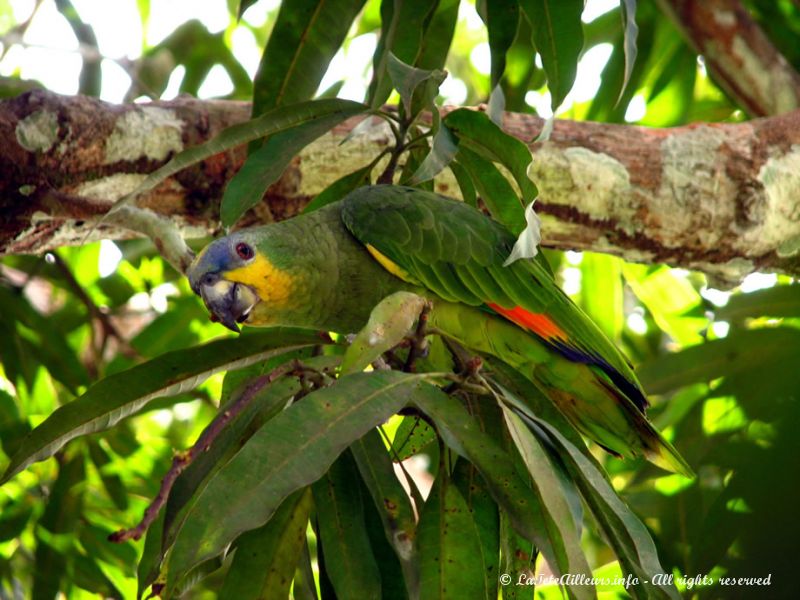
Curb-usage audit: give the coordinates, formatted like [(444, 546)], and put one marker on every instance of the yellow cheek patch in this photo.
[(390, 266), (273, 285)]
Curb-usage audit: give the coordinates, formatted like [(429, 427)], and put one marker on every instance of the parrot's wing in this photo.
[(457, 252)]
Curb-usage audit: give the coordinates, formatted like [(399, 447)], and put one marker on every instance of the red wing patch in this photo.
[(548, 330), (538, 323)]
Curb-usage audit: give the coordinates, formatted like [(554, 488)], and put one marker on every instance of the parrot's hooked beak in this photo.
[(229, 302)]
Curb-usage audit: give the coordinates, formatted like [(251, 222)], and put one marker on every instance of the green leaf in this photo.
[(601, 292), (443, 151), (403, 24), (462, 433), (631, 33), (305, 37), (62, 514), (521, 73), (275, 121), (528, 401), (502, 20), (147, 570), (478, 133), (778, 301), (391, 502), (484, 513), (112, 399), (265, 404), (464, 183), (305, 587), (611, 101), (264, 563), (394, 584), (87, 574), (668, 297), (411, 437), (44, 338), (626, 534), (14, 519), (391, 321), (290, 451), (266, 165), (451, 561), (414, 159), (558, 37), (194, 47), (518, 559), (494, 189), (438, 36), (546, 483), (349, 561), (111, 482), (741, 352), (407, 80)]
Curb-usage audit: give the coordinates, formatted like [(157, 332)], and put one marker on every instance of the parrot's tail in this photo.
[(584, 393)]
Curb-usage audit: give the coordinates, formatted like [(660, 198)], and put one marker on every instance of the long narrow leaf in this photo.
[(270, 123), (558, 37), (403, 24), (502, 19), (292, 450), (264, 563), (778, 301), (391, 501), (631, 33), (546, 484), (407, 79), (349, 561), (123, 394), (306, 36), (624, 531), (438, 36), (740, 352), (494, 189), (451, 561), (266, 165), (462, 433), (443, 151), (476, 131), (484, 513)]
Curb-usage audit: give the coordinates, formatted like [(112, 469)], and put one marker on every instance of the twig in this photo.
[(161, 231), (108, 328), (182, 460), (90, 71), (19, 30), (418, 343), (399, 147)]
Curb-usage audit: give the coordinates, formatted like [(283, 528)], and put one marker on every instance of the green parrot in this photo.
[(327, 269)]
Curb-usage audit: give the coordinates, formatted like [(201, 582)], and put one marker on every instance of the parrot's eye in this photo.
[(244, 251)]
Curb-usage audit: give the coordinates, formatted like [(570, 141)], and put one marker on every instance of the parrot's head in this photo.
[(216, 275)]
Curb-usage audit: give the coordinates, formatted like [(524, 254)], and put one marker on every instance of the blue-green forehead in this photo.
[(216, 256)]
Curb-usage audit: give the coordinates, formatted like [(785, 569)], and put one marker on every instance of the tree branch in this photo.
[(721, 198), (739, 56)]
